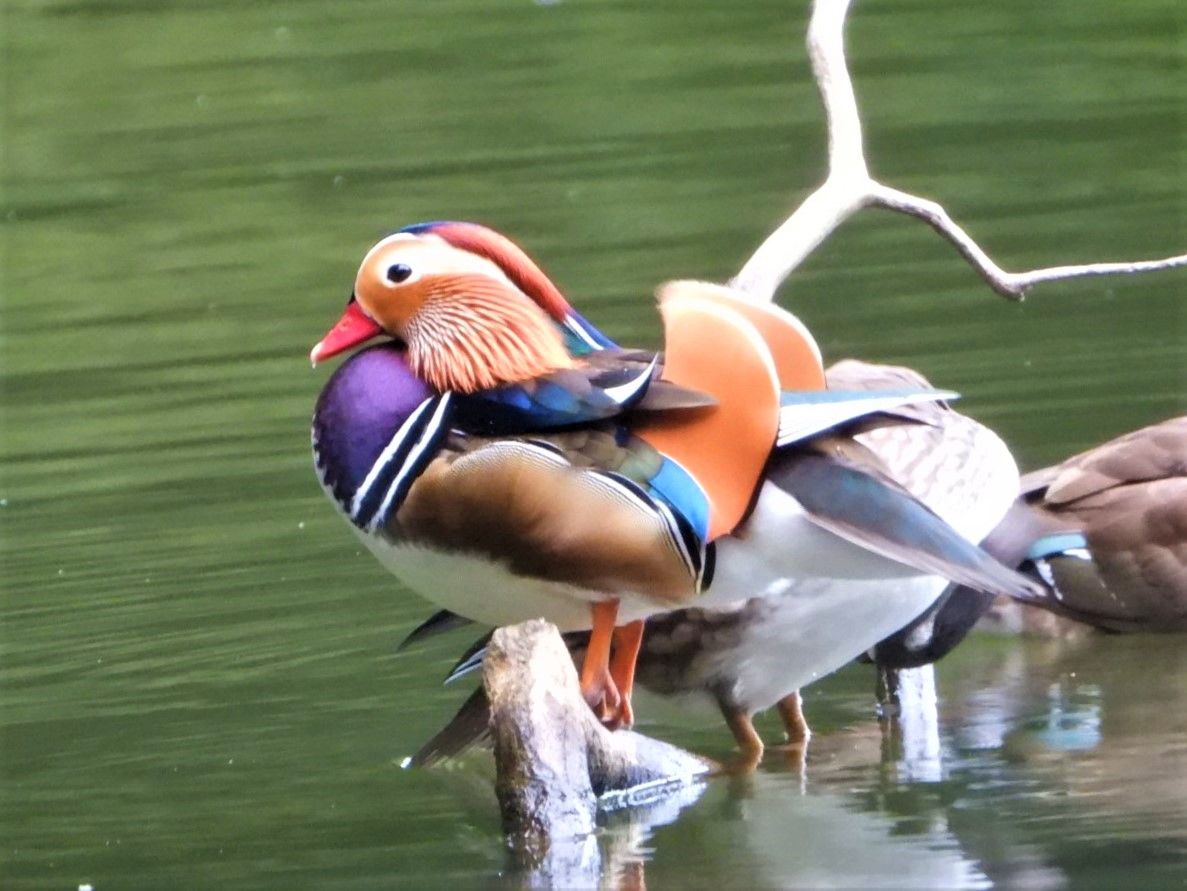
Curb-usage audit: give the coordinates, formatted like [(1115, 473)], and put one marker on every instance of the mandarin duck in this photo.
[(758, 654), (1106, 532), (507, 460), (962, 470)]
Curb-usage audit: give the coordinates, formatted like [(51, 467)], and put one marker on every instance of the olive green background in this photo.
[(198, 679)]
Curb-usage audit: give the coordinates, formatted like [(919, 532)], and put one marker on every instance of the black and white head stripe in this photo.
[(400, 463), (693, 550)]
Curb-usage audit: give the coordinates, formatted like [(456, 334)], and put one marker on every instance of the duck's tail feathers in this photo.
[(468, 728), (471, 660), (438, 623)]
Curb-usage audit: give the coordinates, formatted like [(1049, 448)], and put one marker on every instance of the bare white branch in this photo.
[(849, 187), (789, 245), (826, 49), (1008, 284), (935, 216)]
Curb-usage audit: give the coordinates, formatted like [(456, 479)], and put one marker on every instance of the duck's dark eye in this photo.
[(398, 272)]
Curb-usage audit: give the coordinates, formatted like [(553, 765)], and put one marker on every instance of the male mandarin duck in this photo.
[(759, 653), (506, 460)]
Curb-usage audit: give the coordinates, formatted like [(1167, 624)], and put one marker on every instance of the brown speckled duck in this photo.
[(1106, 532)]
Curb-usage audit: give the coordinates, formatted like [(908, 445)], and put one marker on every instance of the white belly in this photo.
[(486, 592), (813, 628), (778, 547)]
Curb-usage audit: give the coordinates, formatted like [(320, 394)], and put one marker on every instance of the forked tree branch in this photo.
[(849, 187)]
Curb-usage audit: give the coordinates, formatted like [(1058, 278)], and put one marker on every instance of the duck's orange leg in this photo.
[(627, 641), (741, 725), (795, 725), (597, 685), (791, 710)]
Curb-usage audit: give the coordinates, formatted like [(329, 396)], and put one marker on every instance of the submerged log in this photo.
[(556, 765)]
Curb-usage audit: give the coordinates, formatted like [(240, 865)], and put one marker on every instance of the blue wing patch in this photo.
[(1058, 543), (805, 413), (677, 493), (675, 487), (564, 398)]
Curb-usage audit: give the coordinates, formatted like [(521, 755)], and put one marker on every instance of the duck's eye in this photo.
[(398, 272)]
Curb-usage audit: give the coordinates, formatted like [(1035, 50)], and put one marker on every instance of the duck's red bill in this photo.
[(353, 328)]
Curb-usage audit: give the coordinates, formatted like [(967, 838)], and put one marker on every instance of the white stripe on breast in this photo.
[(385, 456), (426, 439)]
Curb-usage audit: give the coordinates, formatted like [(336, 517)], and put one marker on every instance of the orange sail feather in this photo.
[(712, 348)]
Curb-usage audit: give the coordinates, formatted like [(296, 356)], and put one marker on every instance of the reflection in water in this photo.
[(910, 723), (625, 839), (1047, 750), (1071, 744), (782, 837)]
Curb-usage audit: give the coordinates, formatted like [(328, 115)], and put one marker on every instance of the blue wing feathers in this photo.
[(1056, 543), (868, 502), (673, 485), (887, 518), (819, 397), (564, 398)]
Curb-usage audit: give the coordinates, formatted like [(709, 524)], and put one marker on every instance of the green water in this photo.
[(199, 683)]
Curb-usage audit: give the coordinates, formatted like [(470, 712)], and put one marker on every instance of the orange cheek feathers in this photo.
[(390, 305)]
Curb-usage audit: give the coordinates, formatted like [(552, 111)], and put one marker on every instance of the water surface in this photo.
[(199, 683)]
